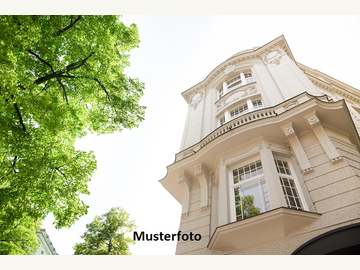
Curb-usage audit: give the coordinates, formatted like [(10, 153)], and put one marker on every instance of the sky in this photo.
[(175, 53)]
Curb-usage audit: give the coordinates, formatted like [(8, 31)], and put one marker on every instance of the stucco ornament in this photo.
[(273, 57), (196, 98), (313, 120), (229, 69), (289, 130), (291, 104)]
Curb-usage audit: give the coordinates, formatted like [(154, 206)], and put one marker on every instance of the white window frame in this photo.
[(236, 107), (234, 82), (257, 99), (232, 186), (295, 178)]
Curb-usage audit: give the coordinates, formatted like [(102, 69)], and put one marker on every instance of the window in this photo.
[(247, 74), (234, 81), (249, 189), (287, 182), (238, 110), (257, 103)]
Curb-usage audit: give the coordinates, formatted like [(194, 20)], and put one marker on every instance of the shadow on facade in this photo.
[(341, 241)]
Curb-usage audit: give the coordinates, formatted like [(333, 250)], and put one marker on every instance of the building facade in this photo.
[(45, 245), (269, 160)]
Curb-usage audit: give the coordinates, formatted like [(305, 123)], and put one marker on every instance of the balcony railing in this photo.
[(246, 119), (235, 86)]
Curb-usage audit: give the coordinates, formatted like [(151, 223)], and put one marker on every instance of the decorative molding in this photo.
[(323, 137), (313, 119), (229, 69), (290, 104), (278, 43), (297, 148), (185, 180), (196, 99), (273, 57), (241, 93), (202, 175), (288, 130)]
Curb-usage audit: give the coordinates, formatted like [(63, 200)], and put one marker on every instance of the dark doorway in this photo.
[(341, 241)]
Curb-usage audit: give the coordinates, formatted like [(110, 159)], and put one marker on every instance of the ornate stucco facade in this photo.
[(269, 161)]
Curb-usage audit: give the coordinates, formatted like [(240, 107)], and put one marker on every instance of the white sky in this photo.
[(175, 53)]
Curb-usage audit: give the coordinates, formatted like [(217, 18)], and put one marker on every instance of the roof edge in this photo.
[(243, 53)]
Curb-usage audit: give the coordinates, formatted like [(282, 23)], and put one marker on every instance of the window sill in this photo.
[(268, 226)]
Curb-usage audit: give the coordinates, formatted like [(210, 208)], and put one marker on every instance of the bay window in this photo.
[(288, 184), (250, 195)]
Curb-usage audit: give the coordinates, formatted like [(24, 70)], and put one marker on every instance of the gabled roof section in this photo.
[(279, 42)]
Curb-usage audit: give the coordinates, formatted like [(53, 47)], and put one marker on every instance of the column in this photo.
[(271, 177), (225, 88), (243, 79), (250, 105), (222, 197), (227, 116)]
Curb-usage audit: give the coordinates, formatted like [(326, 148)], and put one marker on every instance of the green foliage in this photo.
[(107, 235), (21, 239), (61, 77), (248, 207)]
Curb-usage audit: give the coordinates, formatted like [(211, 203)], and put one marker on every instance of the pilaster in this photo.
[(297, 148), (323, 137), (222, 197), (202, 175)]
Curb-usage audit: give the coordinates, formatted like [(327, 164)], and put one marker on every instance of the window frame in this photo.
[(294, 177), (236, 106), (252, 180)]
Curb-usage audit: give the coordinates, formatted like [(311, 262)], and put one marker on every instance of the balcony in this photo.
[(260, 229), (248, 118), (235, 86)]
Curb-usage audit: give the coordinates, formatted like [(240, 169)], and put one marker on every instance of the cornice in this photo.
[(279, 42), (266, 113), (331, 84)]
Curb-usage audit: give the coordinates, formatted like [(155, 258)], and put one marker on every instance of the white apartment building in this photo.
[(269, 160)]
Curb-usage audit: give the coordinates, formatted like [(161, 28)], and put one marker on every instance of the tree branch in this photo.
[(13, 164), (60, 73), (42, 60), (64, 90), (78, 64), (102, 86), (110, 246), (63, 174), (72, 23), (20, 116)]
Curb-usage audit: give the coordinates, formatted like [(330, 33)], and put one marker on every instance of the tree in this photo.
[(247, 207), (61, 77), (107, 235)]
